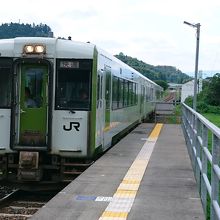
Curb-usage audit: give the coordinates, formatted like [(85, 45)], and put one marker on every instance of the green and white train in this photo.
[(62, 103)]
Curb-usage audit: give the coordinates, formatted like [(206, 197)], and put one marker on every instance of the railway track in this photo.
[(20, 205)]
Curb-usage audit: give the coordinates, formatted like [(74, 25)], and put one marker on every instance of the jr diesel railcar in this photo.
[(62, 103)]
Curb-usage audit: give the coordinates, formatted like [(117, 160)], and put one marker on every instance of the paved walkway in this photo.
[(168, 190), (120, 185)]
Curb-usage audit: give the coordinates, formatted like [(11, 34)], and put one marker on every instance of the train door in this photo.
[(107, 105), (142, 100), (103, 106), (107, 93), (33, 105), (5, 101), (100, 111)]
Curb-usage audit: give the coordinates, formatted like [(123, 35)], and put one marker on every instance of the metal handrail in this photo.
[(203, 143)]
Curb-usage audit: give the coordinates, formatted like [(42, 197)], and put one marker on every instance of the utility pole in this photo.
[(197, 26)]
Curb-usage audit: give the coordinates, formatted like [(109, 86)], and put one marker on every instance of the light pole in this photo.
[(197, 26)]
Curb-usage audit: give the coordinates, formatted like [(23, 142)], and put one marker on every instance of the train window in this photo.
[(125, 93), (135, 93), (144, 92), (151, 94), (157, 94), (98, 88), (33, 87), (147, 94), (130, 98), (107, 87), (121, 93), (115, 92), (5, 87), (73, 87)]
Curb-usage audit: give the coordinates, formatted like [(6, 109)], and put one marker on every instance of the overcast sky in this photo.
[(150, 30)]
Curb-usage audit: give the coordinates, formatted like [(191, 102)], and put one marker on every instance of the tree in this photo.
[(12, 30), (165, 73), (212, 91), (162, 83)]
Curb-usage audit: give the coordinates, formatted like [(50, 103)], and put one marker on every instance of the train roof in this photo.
[(55, 47), (59, 48)]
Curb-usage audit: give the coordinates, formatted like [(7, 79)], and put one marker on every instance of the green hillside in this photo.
[(155, 73), (12, 30), (166, 73)]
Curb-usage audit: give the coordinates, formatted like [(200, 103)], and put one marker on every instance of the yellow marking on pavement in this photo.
[(115, 214), (131, 181), (129, 186), (125, 193), (155, 133), (124, 197)]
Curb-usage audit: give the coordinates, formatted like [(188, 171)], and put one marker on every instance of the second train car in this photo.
[(61, 104)]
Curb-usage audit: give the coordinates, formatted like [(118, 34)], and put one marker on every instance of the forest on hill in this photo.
[(155, 73), (12, 30), (169, 74)]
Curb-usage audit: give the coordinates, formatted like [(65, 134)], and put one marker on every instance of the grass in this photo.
[(214, 118)]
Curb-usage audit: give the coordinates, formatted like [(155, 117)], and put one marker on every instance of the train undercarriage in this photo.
[(28, 169)]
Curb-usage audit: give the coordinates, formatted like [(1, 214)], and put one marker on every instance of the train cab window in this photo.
[(5, 87), (33, 91), (73, 85)]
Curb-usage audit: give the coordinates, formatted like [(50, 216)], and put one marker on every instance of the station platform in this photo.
[(146, 176)]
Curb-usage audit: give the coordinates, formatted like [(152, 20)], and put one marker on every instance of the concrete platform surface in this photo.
[(167, 190)]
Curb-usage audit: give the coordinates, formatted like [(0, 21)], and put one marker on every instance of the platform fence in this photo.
[(203, 143)]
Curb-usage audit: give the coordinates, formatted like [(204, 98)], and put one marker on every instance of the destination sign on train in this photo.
[(69, 64)]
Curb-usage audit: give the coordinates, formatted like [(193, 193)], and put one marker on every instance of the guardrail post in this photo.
[(190, 135), (214, 177), (204, 168), (198, 152), (193, 130)]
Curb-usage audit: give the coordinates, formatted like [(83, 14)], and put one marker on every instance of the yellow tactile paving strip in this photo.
[(123, 198)]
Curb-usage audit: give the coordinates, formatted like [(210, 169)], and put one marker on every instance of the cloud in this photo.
[(76, 14), (151, 30)]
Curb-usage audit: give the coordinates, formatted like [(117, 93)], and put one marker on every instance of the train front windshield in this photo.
[(73, 83)]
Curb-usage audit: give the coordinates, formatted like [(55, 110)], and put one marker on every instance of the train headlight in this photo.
[(34, 49), (29, 49), (39, 49)]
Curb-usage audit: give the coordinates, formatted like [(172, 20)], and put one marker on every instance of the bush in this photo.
[(202, 106), (189, 101), (208, 100)]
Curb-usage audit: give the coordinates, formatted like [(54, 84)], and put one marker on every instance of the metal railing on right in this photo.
[(203, 142)]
